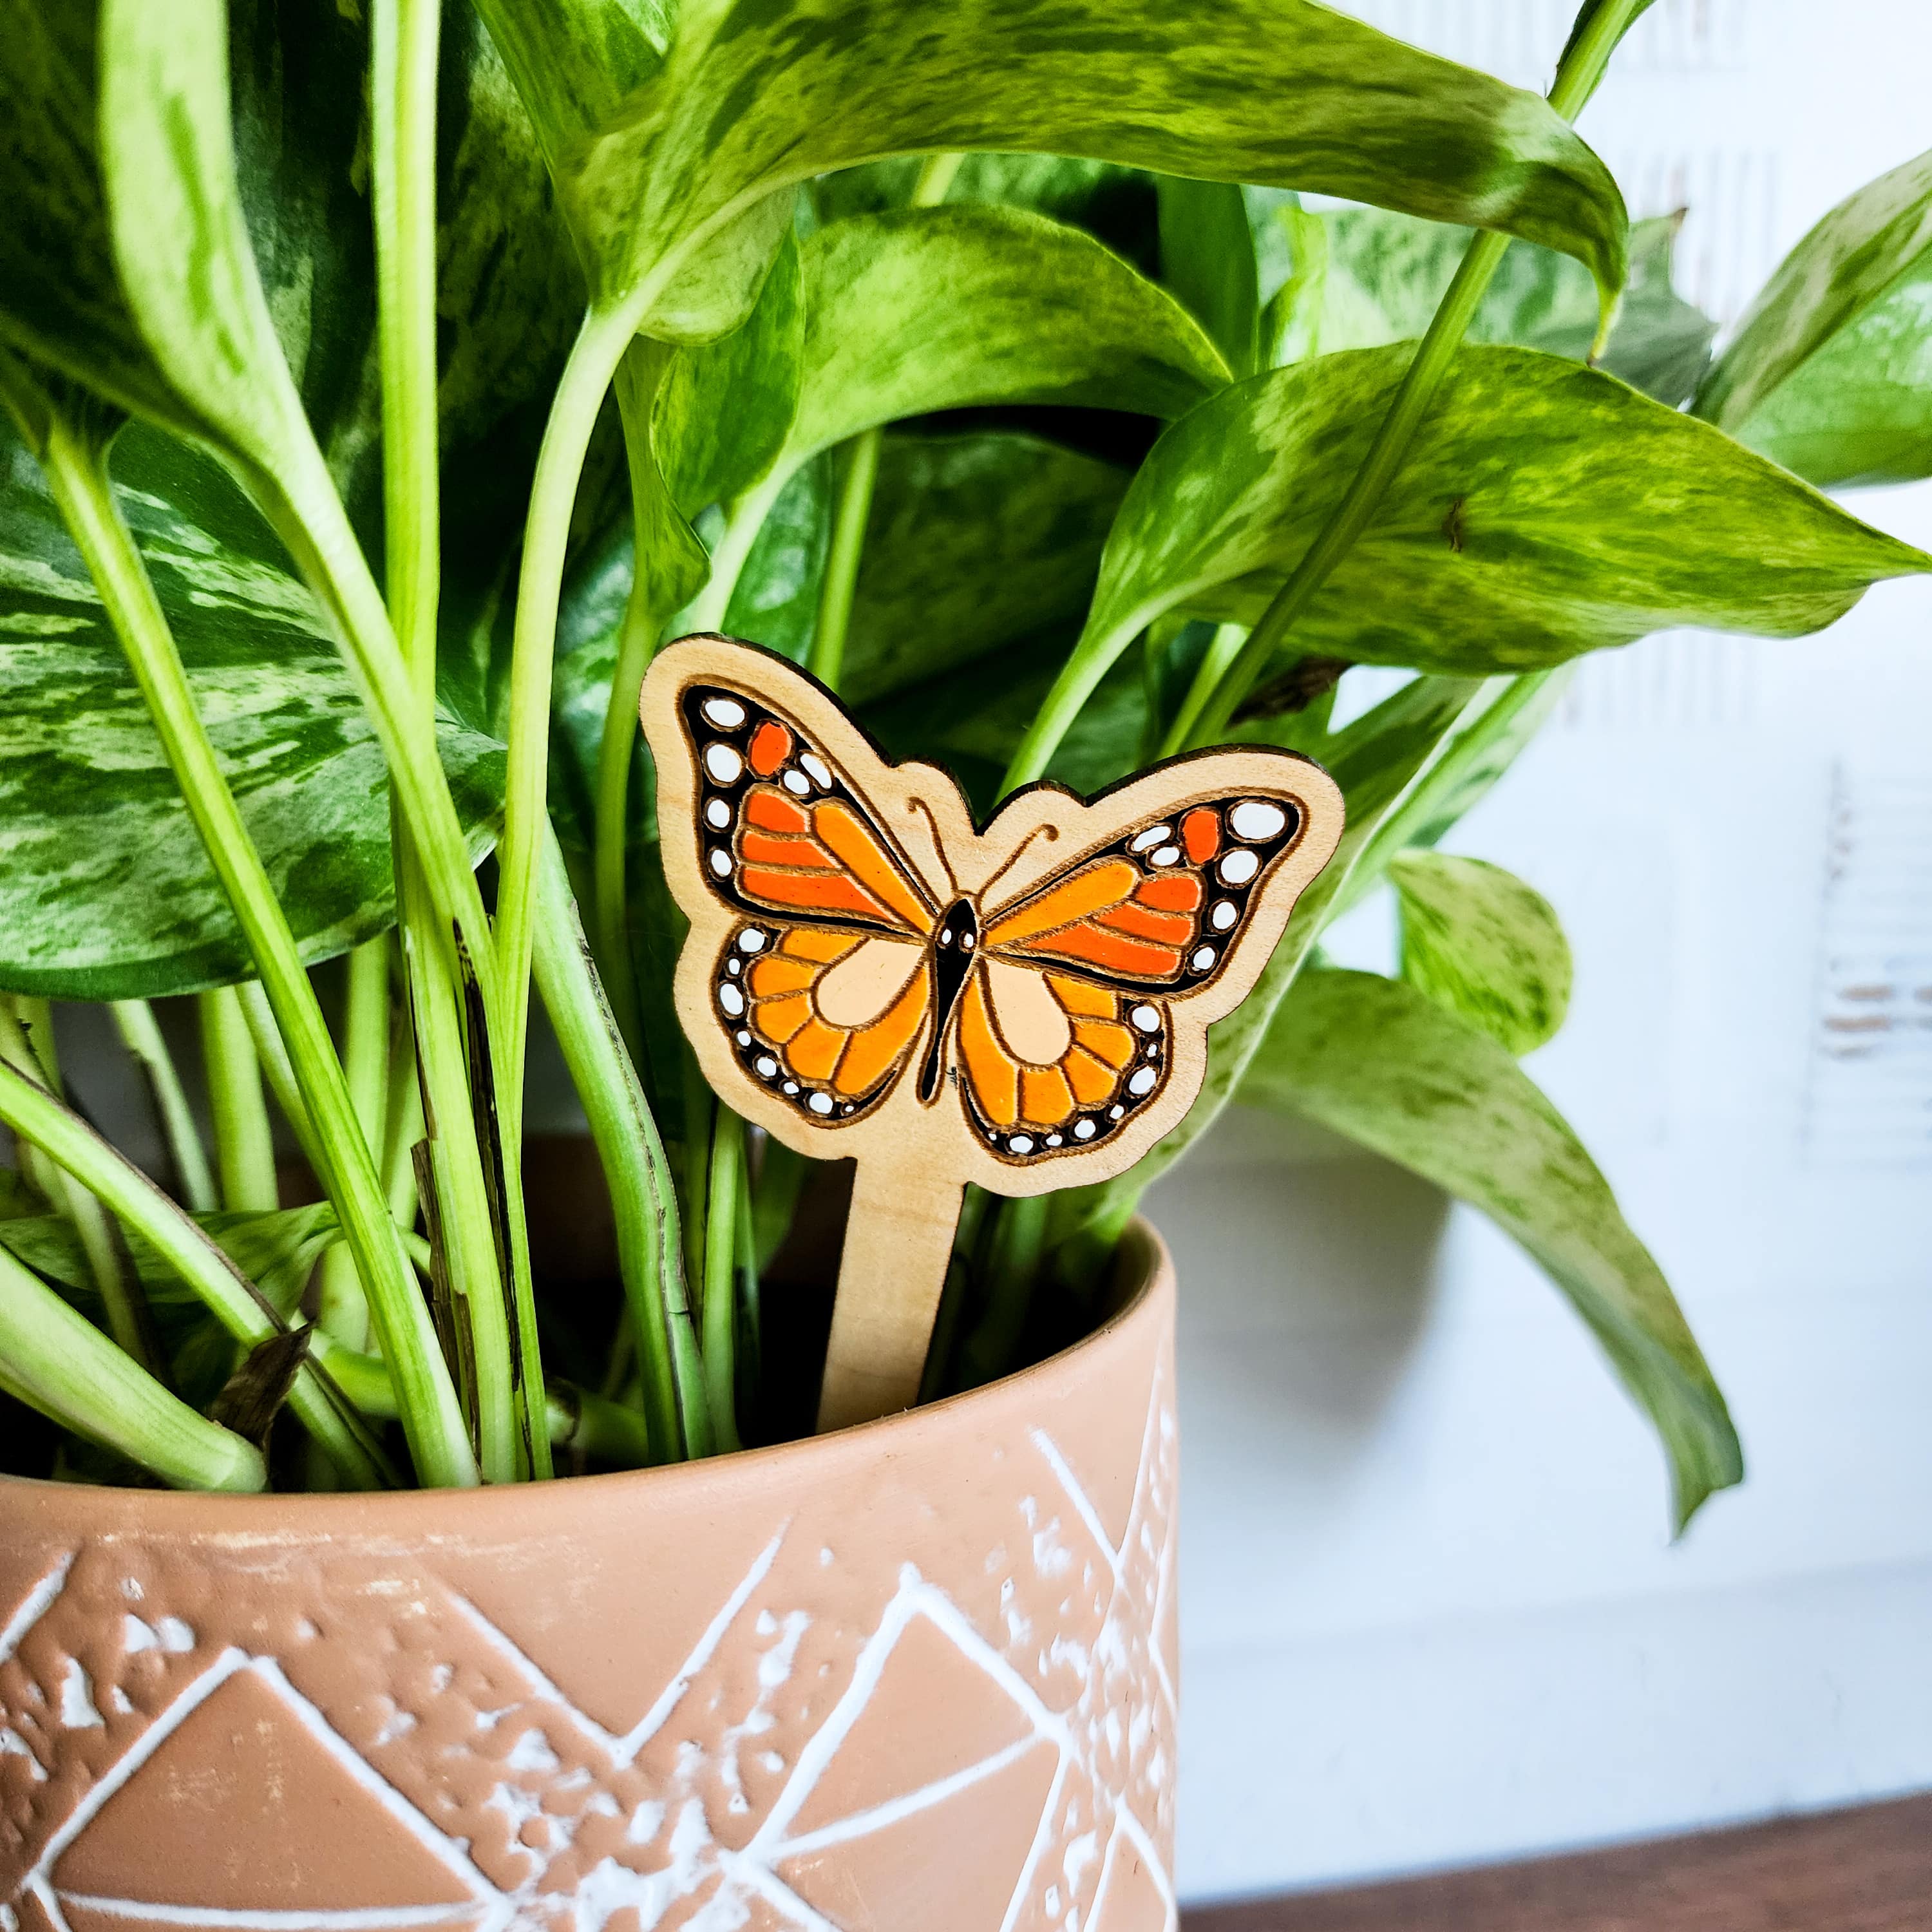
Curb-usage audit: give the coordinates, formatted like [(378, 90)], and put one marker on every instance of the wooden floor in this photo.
[(1864, 1870)]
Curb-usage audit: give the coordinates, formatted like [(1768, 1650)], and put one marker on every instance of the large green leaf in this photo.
[(975, 542), (1483, 945), (921, 309), (289, 70), (1116, 205), (106, 892), (1377, 277), (276, 1251), (757, 94), (723, 412), (1544, 510), (1207, 260), (1375, 1060), (1379, 761), (1843, 265)]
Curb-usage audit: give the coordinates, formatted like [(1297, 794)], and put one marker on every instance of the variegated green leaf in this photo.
[(1379, 277), (1375, 1060), (106, 892), (1544, 510), (975, 542), (1207, 261), (1379, 761), (1831, 371), (1484, 945), (276, 1251), (723, 413), (935, 308), (756, 94)]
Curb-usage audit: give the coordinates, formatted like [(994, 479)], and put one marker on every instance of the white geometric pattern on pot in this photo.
[(489, 1801)]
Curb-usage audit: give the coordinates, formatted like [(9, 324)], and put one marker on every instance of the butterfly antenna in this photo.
[(1046, 831), (918, 806)]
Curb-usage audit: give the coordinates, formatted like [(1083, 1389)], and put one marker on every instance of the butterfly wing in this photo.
[(1163, 905), (823, 983), (1053, 1063), (1067, 1033), (781, 834), (824, 1017)]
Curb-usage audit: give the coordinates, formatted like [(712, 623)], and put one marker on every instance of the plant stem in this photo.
[(242, 1309), (456, 1165), (827, 661), (600, 345), (992, 1347), (1581, 69), (244, 1147), (129, 1320), (432, 1421), (476, 1160), (403, 38), (576, 1418), (58, 1362), (649, 1244), (1220, 653), (935, 179), (403, 1111), (638, 378), (340, 1309), (721, 1274), (142, 1033)]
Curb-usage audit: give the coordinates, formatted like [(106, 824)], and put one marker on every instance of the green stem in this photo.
[(340, 1309), (638, 378), (244, 1146), (35, 1115), (142, 1033), (593, 362), (935, 179), (433, 1420), (721, 1274), (827, 661), (744, 518), (576, 1418), (992, 1348), (477, 1231), (465, 1216), (27, 1044), (404, 1112), (1221, 652), (58, 1362), (1582, 68), (650, 1243)]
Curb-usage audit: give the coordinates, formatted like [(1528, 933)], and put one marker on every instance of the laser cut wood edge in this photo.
[(901, 1132)]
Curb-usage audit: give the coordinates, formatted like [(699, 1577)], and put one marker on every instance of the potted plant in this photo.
[(383, 393)]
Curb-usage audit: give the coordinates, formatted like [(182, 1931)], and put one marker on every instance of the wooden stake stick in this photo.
[(898, 1244)]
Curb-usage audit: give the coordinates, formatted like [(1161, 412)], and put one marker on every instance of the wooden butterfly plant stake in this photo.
[(869, 974)]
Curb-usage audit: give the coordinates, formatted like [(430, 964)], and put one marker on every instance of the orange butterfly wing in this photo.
[(1065, 1031), (823, 986)]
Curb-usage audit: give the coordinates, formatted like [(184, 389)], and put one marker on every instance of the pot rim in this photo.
[(1143, 1268)]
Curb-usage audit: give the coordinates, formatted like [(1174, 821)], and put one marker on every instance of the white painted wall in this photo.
[(1432, 1616)]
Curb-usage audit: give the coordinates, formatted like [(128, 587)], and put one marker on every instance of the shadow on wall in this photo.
[(1307, 1274)]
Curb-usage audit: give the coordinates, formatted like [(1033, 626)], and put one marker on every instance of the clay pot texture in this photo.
[(916, 1677)]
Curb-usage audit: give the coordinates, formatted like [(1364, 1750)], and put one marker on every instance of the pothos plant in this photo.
[(386, 385)]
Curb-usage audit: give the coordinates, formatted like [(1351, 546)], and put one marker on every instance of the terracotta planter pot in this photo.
[(917, 1677)]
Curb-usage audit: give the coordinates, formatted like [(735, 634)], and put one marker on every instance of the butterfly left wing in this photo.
[(1069, 1031)]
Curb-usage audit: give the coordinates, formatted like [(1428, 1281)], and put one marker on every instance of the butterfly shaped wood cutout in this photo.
[(869, 974)]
